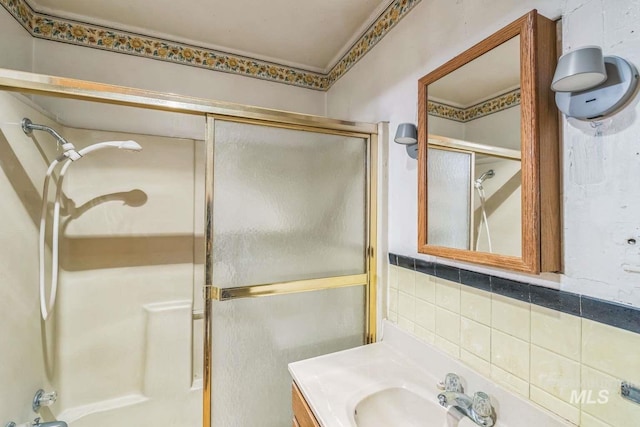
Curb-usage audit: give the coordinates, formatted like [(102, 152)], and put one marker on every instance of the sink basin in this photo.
[(393, 384), (399, 406)]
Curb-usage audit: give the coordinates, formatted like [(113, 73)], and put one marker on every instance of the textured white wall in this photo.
[(601, 174)]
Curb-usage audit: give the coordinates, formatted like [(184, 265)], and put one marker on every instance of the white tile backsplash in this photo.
[(541, 354)]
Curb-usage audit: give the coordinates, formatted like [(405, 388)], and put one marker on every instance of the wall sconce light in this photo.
[(589, 86), (407, 134)]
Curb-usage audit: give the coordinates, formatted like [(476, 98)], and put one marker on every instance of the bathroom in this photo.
[(125, 342)]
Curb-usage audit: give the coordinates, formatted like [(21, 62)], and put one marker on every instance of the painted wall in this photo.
[(501, 129), (16, 44), (601, 195), (445, 127)]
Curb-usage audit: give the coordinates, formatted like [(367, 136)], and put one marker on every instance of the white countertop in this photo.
[(334, 383)]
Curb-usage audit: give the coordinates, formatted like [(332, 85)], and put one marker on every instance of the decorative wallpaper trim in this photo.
[(78, 33), (607, 312), (463, 115), (376, 31)]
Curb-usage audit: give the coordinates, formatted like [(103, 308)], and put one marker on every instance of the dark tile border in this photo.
[(555, 299), (426, 267), (406, 262), (447, 272), (607, 312), (476, 280), (393, 259), (621, 316), (511, 288)]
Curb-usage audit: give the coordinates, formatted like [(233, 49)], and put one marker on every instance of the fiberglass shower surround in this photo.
[(68, 156)]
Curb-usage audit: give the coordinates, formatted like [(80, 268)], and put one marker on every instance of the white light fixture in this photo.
[(589, 86), (579, 70), (407, 134)]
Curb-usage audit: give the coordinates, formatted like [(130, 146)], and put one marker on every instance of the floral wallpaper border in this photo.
[(463, 115), (98, 37), (380, 28)]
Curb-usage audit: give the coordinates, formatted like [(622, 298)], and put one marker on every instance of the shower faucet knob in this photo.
[(42, 398)]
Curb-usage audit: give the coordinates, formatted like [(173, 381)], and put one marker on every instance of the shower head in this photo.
[(69, 150), (488, 174), (482, 178), (122, 145)]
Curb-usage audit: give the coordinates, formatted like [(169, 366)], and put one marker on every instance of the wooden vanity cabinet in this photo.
[(302, 414)]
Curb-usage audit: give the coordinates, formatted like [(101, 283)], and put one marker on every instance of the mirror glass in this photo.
[(473, 158)]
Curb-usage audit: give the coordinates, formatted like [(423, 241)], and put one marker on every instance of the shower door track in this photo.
[(39, 84)]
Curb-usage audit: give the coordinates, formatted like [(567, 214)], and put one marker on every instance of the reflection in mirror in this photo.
[(473, 161), (449, 174), (496, 206)]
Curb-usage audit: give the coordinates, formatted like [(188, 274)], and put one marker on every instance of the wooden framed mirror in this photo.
[(488, 152)]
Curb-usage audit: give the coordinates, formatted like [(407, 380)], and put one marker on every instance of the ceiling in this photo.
[(308, 34), (491, 74)]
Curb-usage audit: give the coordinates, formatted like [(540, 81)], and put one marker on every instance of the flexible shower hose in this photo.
[(480, 189), (71, 155), (46, 307)]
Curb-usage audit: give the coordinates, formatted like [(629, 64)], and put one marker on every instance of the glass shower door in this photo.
[(289, 223)]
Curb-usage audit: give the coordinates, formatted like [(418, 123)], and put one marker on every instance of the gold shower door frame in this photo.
[(368, 279), (18, 81)]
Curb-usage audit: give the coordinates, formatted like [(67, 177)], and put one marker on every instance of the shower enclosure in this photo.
[(192, 272)]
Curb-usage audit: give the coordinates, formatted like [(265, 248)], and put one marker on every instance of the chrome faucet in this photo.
[(41, 398), (478, 408), (37, 423)]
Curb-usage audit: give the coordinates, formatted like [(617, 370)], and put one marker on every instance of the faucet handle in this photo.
[(452, 383), (43, 398), (482, 404)]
